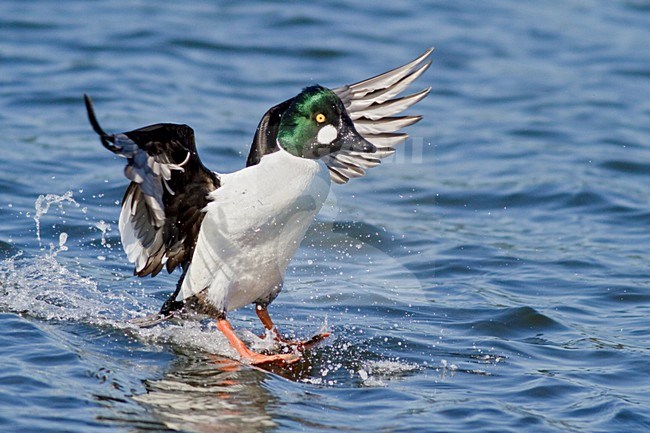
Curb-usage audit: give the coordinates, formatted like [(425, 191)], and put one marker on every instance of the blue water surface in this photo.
[(492, 276)]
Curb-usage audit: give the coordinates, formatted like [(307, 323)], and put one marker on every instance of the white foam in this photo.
[(44, 288), (378, 373), (47, 285), (189, 334)]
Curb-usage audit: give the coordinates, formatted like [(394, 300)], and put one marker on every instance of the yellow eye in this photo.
[(320, 118)]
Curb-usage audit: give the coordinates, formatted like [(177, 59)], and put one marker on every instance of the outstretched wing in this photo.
[(163, 206), (372, 105)]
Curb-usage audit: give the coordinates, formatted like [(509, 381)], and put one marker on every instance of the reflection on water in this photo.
[(210, 394)]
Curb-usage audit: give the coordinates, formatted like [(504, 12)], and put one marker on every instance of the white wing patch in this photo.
[(143, 213), (142, 237)]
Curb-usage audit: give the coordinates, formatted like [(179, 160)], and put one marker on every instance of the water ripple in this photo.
[(492, 276)]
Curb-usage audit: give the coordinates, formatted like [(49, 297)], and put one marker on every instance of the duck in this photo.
[(232, 235)]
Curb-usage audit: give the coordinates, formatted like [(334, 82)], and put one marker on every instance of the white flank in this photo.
[(253, 227)]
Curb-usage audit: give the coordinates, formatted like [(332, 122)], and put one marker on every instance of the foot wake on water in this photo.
[(48, 285), (42, 288)]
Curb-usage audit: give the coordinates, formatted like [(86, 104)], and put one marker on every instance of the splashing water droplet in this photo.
[(63, 238), (105, 228), (42, 206)]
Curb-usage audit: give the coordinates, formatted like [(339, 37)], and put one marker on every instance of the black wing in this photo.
[(162, 209)]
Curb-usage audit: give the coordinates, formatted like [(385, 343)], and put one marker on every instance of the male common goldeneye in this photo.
[(234, 234)]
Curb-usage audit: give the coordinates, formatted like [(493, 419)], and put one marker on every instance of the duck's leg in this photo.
[(247, 355), (266, 320), (171, 305)]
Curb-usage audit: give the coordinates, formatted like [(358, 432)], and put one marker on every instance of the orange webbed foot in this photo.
[(249, 356), (301, 345)]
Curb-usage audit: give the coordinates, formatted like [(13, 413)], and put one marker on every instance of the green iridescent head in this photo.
[(316, 124)]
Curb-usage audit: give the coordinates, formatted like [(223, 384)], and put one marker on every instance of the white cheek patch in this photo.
[(327, 134)]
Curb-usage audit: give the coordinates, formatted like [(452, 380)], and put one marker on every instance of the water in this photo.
[(493, 276)]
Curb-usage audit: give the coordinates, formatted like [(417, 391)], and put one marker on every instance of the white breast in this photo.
[(253, 227)]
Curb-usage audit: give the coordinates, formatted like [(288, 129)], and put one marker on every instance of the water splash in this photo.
[(45, 288), (49, 286), (42, 287), (104, 227), (377, 373), (42, 206)]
